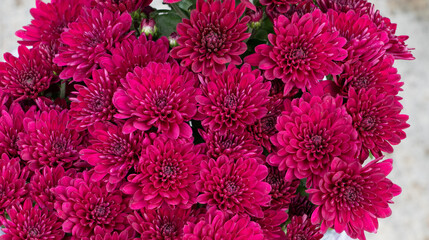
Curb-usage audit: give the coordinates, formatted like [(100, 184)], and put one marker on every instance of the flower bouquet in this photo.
[(214, 119)]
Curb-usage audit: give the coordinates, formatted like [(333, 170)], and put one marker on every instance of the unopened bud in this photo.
[(148, 27), (173, 39), (255, 17)]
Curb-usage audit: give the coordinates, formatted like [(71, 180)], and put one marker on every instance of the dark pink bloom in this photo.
[(162, 223), (271, 223), (359, 6), (219, 225), (31, 222), (133, 52), (93, 101), (88, 39), (26, 76), (377, 119), (159, 95), (304, 50), (47, 140), (12, 183), (46, 104), (379, 74), (312, 131), (84, 204), (234, 187), (233, 100), (300, 205), (49, 21), (282, 191), (351, 197), (103, 234), (233, 145), (212, 37), (111, 152), (167, 172), (121, 5), (301, 227), (280, 6)]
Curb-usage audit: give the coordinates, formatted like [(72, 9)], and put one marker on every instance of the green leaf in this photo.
[(167, 23), (185, 5)]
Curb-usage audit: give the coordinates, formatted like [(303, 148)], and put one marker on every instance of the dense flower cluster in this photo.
[(215, 119)]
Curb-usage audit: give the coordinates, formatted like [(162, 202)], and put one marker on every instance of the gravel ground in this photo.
[(410, 218)]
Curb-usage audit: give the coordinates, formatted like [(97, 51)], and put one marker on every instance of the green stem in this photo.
[(178, 10), (63, 89)]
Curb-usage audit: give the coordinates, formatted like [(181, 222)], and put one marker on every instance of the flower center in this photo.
[(168, 229), (33, 232), (118, 148), (273, 179), (101, 211), (268, 124), (161, 102), (351, 195), (60, 145), (300, 237), (231, 187), (317, 140), (230, 101), (367, 123), (212, 40), (298, 54), (227, 142), (97, 104), (361, 82)]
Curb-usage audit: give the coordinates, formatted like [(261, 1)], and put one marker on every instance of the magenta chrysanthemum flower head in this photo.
[(379, 74), (304, 50), (135, 52), (50, 20), (301, 227), (31, 222), (159, 95), (43, 181), (93, 101), (271, 223), (25, 76), (365, 42), (167, 172), (359, 6), (12, 183), (84, 204), (219, 225), (233, 100), (11, 124), (162, 223), (278, 6), (300, 205), (213, 37), (282, 191), (234, 187), (351, 197), (312, 131), (233, 145), (111, 152), (47, 140), (378, 120), (119, 5), (88, 39)]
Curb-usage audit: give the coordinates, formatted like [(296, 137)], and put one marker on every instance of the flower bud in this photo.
[(255, 17), (173, 39), (148, 27)]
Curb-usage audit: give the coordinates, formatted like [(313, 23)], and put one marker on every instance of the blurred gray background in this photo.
[(410, 218)]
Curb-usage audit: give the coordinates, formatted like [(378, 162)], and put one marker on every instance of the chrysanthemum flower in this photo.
[(233, 145), (301, 227), (111, 152), (47, 140), (304, 50), (46, 104), (359, 6), (300, 205), (162, 223), (377, 119), (212, 37), (167, 172), (25, 76), (88, 39), (50, 20), (312, 131), (31, 222), (380, 75), (271, 223), (133, 52), (159, 95), (93, 101), (219, 225), (12, 183), (280, 6), (282, 191), (121, 5), (84, 204), (234, 187), (43, 181), (233, 100), (351, 197)]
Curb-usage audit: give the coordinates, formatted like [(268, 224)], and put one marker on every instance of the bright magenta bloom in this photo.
[(282, 191), (31, 222), (377, 119), (121, 5), (234, 187), (88, 39), (351, 197), (312, 131), (212, 37), (166, 174), (304, 50), (84, 205), (93, 101), (159, 95), (233, 100), (26, 76)]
